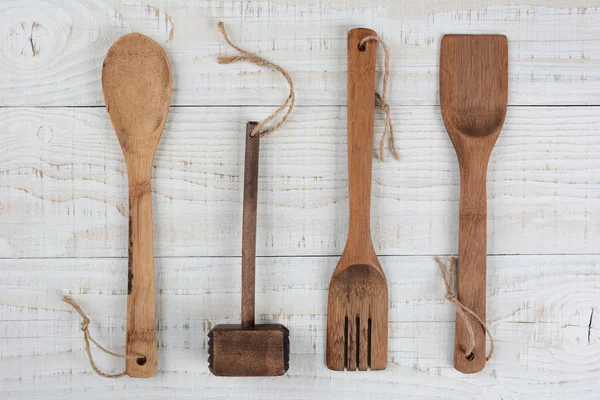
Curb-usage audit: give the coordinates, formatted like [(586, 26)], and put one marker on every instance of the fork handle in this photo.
[(361, 109)]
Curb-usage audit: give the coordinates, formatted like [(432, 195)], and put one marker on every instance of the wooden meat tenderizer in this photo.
[(247, 349)]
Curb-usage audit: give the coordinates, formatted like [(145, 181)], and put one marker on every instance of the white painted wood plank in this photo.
[(63, 194), (52, 50), (539, 310), (63, 185)]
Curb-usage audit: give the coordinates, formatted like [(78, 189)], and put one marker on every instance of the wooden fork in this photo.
[(357, 312)]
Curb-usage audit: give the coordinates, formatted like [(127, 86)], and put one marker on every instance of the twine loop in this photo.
[(87, 337), (289, 102), (462, 310), (382, 99)]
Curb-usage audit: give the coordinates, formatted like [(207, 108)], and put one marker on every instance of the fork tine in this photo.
[(352, 345), (363, 341), (379, 336), (336, 344)]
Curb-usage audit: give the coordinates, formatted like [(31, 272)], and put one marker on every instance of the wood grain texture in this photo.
[(473, 101), (63, 186), (539, 308), (357, 310), (137, 85), (63, 191), (261, 350), (53, 50), (249, 211)]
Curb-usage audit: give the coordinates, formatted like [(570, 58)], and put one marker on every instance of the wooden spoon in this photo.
[(357, 324), (474, 99), (136, 81)]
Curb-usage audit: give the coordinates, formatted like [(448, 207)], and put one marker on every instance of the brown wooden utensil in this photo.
[(249, 349), (357, 311), (136, 81), (474, 100)]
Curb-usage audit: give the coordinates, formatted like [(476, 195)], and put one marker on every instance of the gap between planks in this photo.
[(306, 256), (298, 106)]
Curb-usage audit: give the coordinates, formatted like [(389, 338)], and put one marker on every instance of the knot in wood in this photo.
[(139, 189)]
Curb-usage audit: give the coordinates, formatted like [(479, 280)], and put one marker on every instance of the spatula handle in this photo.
[(249, 225), (141, 322), (472, 264), (361, 109)]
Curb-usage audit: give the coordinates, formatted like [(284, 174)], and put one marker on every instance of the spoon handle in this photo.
[(471, 282), (361, 109), (141, 322)]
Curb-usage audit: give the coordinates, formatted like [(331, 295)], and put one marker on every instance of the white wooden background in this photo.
[(63, 197)]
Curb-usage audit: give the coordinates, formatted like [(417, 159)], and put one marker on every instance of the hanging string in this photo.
[(382, 99), (462, 310), (87, 337), (253, 58)]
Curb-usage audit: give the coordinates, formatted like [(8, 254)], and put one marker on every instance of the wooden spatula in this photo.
[(136, 81), (474, 99), (357, 312)]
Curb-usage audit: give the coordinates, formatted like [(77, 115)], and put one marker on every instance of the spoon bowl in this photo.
[(473, 90), (137, 87)]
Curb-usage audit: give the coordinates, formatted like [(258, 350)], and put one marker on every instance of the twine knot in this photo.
[(382, 98), (385, 107), (451, 297), (85, 324), (462, 310), (289, 102)]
